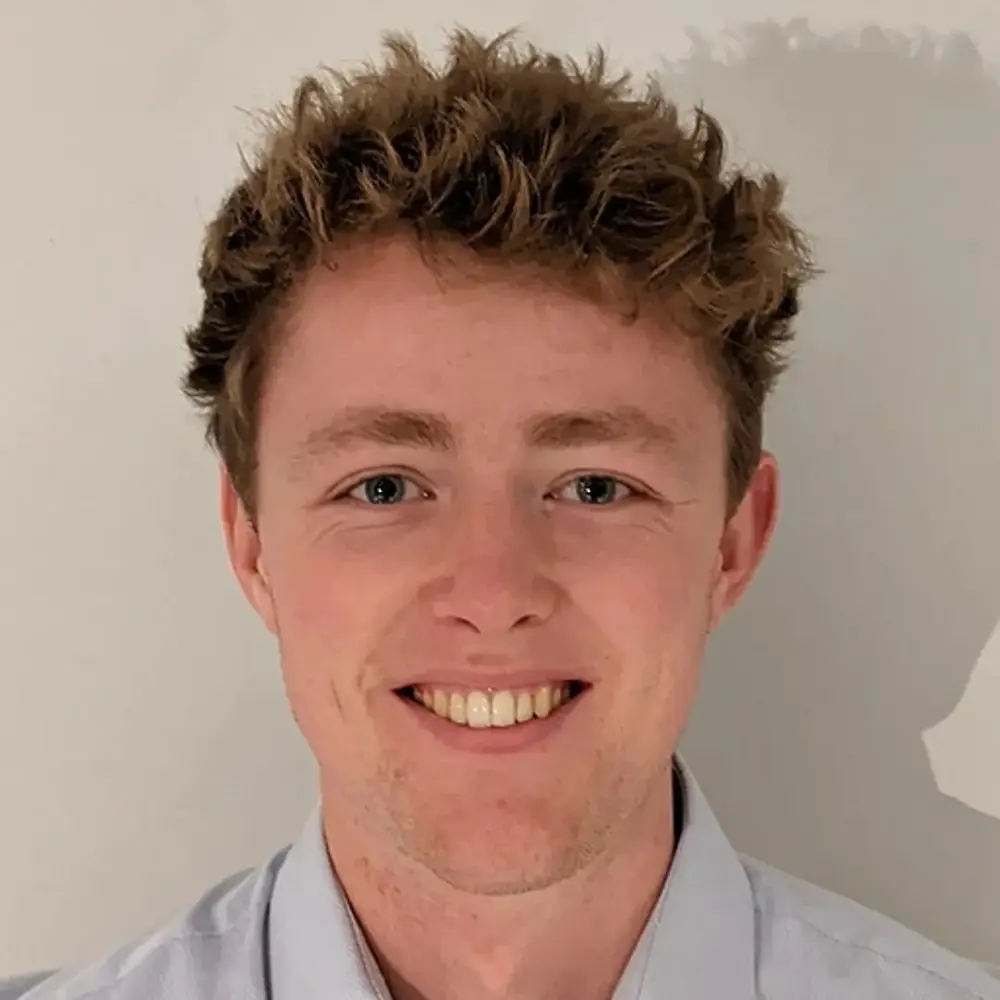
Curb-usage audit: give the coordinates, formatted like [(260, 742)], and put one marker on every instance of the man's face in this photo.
[(496, 499)]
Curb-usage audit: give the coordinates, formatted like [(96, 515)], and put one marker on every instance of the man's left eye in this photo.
[(598, 491)]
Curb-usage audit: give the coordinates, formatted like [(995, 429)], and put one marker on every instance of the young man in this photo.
[(484, 351)]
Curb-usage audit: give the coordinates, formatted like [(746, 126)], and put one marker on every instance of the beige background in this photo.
[(848, 725)]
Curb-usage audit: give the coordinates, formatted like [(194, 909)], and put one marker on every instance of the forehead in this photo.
[(490, 349)]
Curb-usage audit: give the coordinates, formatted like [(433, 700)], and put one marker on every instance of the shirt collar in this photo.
[(315, 946), (698, 944)]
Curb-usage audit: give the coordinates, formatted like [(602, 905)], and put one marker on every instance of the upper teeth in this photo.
[(482, 709)]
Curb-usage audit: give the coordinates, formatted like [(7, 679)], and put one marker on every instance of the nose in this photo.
[(494, 580)]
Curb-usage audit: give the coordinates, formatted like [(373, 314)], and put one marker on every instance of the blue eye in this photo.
[(391, 489), (382, 490), (598, 491)]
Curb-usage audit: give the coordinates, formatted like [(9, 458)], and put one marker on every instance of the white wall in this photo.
[(145, 748)]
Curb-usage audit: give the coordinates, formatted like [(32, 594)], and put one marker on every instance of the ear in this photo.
[(746, 538), (244, 548)]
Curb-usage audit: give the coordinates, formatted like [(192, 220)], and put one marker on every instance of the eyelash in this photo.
[(634, 492)]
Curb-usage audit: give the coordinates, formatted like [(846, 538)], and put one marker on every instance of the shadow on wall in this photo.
[(881, 589)]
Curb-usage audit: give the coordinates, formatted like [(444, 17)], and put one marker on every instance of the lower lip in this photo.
[(490, 740)]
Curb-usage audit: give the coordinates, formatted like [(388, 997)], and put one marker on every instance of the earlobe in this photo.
[(244, 548), (745, 539), (262, 599), (717, 602)]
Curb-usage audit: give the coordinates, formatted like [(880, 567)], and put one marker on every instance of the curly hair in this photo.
[(519, 158)]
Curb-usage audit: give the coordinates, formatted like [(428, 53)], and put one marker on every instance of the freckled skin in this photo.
[(490, 550)]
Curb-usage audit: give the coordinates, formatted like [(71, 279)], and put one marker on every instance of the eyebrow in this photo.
[(358, 426)]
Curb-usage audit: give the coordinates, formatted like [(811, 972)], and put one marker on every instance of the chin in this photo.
[(503, 877), (496, 852)]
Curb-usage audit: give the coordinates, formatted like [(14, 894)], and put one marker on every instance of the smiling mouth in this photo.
[(494, 709)]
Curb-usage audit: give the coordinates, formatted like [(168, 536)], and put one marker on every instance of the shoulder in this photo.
[(215, 948), (814, 942)]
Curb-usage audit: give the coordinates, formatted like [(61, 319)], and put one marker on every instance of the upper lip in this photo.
[(473, 679)]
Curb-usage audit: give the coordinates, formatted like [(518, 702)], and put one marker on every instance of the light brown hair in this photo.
[(518, 158)]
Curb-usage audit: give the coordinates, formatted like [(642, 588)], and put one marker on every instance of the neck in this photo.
[(573, 939)]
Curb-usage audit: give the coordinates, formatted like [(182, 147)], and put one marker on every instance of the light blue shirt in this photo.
[(725, 928)]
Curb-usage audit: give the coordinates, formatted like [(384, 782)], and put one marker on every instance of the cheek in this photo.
[(323, 592), (652, 604), (650, 586), (321, 634), (333, 602), (320, 622)]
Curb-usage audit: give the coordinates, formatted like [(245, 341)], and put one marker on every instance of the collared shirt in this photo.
[(725, 928)]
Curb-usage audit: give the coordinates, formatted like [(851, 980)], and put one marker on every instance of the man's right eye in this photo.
[(385, 489)]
